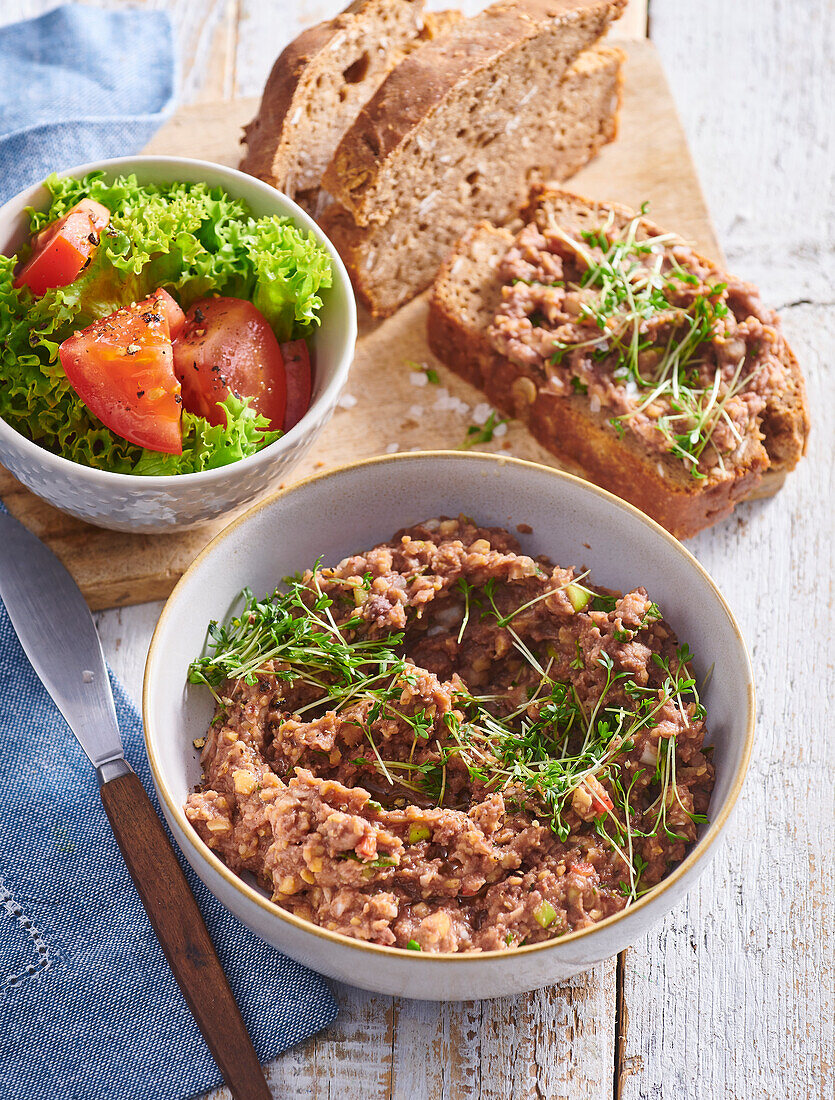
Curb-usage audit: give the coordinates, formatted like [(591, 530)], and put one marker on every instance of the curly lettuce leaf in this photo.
[(207, 446), (36, 397), (193, 240), (290, 269)]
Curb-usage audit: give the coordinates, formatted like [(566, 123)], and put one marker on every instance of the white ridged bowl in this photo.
[(163, 504), (351, 509)]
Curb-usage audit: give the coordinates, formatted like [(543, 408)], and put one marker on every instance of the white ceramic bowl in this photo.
[(128, 503), (350, 509)]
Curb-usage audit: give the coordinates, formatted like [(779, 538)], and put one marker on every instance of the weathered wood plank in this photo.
[(754, 86), (125, 635), (354, 1057), (435, 1049), (735, 994), (553, 1043)]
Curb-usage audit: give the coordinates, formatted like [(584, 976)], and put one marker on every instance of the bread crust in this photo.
[(566, 427), (265, 136), (270, 137), (413, 90)]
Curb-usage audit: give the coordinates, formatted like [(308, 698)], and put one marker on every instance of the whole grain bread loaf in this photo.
[(318, 85), (392, 261), (467, 296)]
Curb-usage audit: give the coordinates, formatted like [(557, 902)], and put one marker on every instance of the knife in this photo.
[(59, 637)]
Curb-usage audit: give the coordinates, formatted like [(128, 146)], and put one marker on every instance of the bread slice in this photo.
[(465, 299), (481, 84), (318, 86), (489, 174)]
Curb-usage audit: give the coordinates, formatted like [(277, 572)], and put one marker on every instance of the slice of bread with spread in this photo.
[(318, 86), (631, 358), (392, 261)]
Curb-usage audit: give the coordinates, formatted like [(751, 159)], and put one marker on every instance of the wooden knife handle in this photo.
[(185, 940)]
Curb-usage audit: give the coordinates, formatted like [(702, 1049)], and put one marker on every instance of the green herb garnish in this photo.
[(538, 755), (432, 376), (636, 282), (484, 433)]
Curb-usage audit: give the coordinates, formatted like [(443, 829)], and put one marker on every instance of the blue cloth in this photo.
[(80, 84), (89, 1009)]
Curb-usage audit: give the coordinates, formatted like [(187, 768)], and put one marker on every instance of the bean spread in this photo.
[(446, 745), (672, 352)]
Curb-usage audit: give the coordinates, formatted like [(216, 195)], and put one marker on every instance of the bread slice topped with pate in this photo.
[(633, 359), (460, 129), (318, 86)]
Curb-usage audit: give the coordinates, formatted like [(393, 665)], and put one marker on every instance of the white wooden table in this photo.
[(734, 994)]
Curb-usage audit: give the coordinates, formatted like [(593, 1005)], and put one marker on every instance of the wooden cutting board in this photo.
[(649, 161)]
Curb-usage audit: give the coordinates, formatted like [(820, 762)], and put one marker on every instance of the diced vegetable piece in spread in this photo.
[(545, 914), (418, 833), (578, 597), (591, 799)]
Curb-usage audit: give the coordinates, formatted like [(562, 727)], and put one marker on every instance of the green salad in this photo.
[(64, 375)]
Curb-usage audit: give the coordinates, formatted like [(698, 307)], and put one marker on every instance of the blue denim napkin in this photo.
[(80, 84), (89, 1009)]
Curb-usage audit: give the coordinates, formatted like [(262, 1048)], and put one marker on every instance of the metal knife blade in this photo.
[(58, 635)]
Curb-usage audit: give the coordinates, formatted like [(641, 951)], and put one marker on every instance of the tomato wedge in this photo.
[(122, 368), (173, 314), (227, 345), (299, 381), (64, 248)]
